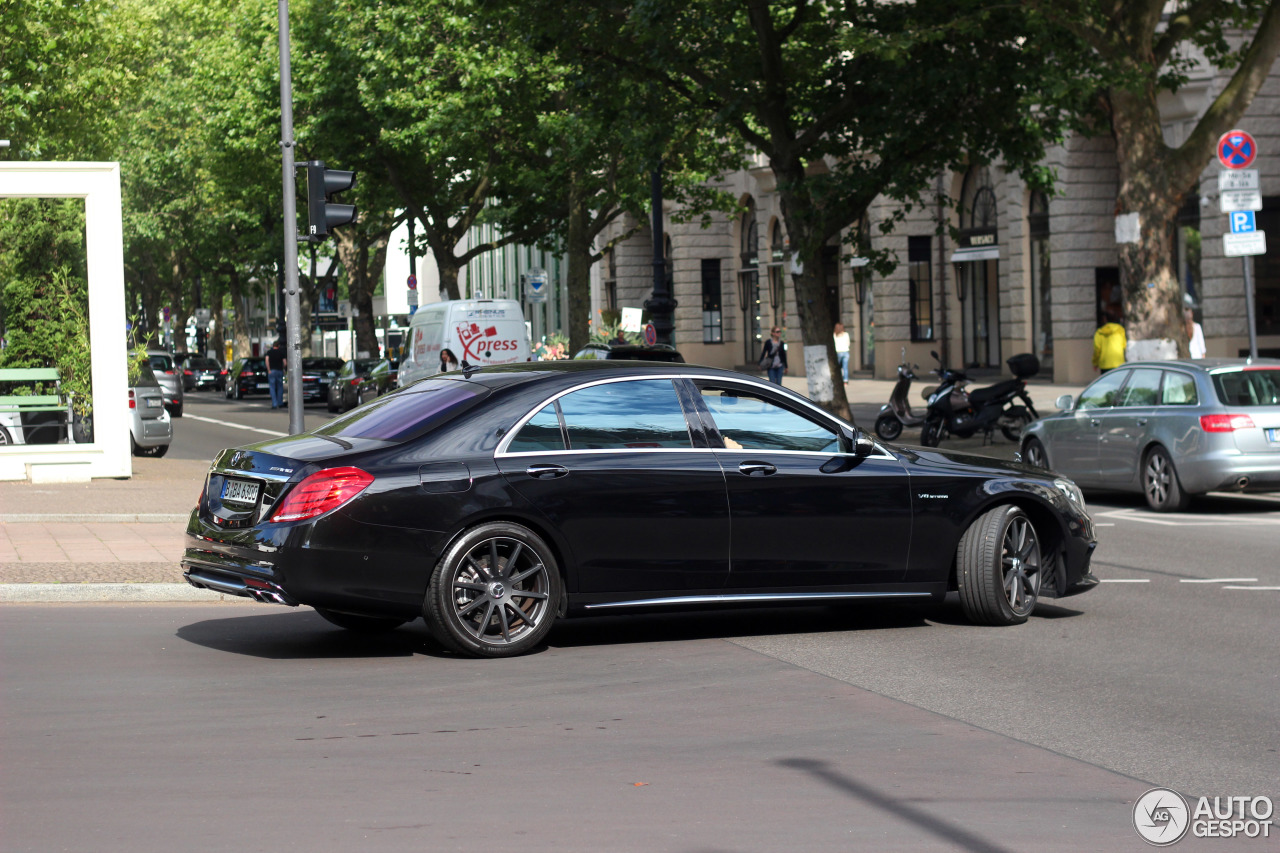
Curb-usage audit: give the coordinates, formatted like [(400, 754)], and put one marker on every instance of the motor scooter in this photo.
[(955, 410), (897, 413)]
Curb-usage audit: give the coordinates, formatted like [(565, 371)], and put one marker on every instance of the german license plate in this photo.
[(240, 492), (262, 386), (1273, 435), (154, 402)]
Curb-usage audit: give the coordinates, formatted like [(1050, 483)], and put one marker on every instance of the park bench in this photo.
[(24, 403)]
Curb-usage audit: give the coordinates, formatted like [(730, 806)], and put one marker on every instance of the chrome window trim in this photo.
[(753, 597), (501, 452)]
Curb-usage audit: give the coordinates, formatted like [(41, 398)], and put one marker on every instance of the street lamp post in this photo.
[(661, 306)]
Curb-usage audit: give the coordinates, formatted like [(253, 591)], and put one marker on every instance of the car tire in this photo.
[(1034, 454), (1160, 483), (998, 566), (5, 438), (330, 406), (133, 446), (177, 412), (361, 624), (1014, 423), (476, 611), (931, 433), (157, 451), (888, 426)]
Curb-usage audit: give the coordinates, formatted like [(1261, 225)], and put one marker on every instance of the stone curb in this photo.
[(28, 593), (99, 518)]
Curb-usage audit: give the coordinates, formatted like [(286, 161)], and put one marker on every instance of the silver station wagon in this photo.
[(1168, 429)]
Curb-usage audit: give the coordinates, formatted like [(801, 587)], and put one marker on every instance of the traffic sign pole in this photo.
[(1240, 193)]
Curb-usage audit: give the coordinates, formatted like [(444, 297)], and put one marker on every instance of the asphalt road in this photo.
[(872, 727)]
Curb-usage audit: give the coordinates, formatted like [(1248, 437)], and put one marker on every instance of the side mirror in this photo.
[(862, 444), (1064, 402)]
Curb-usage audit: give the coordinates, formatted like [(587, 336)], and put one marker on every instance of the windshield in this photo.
[(1253, 386), (405, 415)]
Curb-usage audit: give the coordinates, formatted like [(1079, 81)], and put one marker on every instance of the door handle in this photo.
[(1094, 422), (546, 472), (762, 469), (1142, 421)]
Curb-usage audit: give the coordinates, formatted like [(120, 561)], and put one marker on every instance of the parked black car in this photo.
[(494, 501), (317, 373), (246, 376), (359, 380), (631, 352), (199, 373)]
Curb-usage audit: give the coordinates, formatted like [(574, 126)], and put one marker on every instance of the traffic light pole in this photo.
[(293, 325)]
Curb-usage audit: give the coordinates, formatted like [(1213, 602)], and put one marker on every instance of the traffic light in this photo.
[(322, 185)]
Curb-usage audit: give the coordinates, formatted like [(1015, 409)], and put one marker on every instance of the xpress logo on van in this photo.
[(484, 344)]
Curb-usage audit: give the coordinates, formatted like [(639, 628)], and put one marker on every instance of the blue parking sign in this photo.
[(1242, 222)]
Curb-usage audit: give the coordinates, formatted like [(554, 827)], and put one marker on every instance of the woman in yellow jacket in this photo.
[(1108, 345)]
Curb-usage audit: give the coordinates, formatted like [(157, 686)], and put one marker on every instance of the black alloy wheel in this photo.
[(931, 433), (998, 567), (888, 426), (1035, 455), (1160, 482), (495, 593), (360, 623)]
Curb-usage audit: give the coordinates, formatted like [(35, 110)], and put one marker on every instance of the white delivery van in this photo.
[(478, 332)]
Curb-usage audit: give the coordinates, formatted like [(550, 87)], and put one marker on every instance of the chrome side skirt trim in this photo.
[(752, 597)]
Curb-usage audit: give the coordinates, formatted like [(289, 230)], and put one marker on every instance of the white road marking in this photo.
[(1190, 519), (1252, 587), (1126, 580), (1105, 524), (1217, 580), (236, 426)]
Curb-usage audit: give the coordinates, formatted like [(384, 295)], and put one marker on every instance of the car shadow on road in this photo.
[(303, 634)]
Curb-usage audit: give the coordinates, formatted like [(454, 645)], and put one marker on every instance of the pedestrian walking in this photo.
[(842, 350), (773, 357), (276, 363), (1195, 334), (1109, 344)]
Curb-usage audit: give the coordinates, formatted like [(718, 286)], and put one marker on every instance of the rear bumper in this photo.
[(1230, 471), (206, 577)]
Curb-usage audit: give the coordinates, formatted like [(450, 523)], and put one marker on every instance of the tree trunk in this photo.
[(240, 316), (363, 258), (1152, 187), (447, 267), (818, 352), (578, 273)]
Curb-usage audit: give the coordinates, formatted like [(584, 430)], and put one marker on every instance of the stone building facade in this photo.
[(1030, 273)]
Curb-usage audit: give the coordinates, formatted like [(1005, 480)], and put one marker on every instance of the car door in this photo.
[(1124, 427), (805, 511), (613, 467), (1072, 440)]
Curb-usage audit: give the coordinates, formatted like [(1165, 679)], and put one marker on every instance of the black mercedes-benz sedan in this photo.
[(494, 501)]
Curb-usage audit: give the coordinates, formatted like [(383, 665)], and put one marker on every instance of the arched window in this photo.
[(980, 280)]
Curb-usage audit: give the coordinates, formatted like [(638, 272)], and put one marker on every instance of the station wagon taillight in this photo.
[(322, 492), (1225, 423)]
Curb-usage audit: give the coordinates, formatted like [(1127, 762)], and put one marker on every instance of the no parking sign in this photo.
[(1236, 149)]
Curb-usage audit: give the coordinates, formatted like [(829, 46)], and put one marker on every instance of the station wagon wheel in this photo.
[(495, 593), (998, 566), (1035, 454), (1160, 482)]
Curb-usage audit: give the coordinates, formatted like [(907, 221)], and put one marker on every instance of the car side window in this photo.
[(1104, 392), (634, 414), (1179, 389), (747, 421), (541, 432), (1143, 388)]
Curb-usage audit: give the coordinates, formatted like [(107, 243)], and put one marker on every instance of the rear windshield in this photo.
[(1249, 387), (322, 364), (407, 414), (203, 364), (161, 362)]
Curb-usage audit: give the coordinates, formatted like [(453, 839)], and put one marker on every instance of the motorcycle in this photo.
[(897, 413), (955, 410)]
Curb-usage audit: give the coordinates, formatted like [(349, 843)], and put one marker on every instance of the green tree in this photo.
[(848, 102), (1135, 50)]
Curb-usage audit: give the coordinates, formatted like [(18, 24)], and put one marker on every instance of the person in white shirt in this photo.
[(1194, 334), (842, 350)]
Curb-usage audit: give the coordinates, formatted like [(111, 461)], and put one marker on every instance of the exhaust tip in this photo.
[(1243, 482)]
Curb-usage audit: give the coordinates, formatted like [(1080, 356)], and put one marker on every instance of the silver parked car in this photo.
[(167, 371), (1168, 429), (150, 430)]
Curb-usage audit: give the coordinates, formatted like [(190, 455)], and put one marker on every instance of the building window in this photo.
[(920, 280), (712, 316)]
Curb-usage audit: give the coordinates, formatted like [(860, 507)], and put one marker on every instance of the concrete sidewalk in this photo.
[(120, 540)]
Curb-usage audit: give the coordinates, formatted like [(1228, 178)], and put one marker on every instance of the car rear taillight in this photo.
[(355, 382), (186, 373), (246, 373), (1225, 423), (133, 403), (322, 492)]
